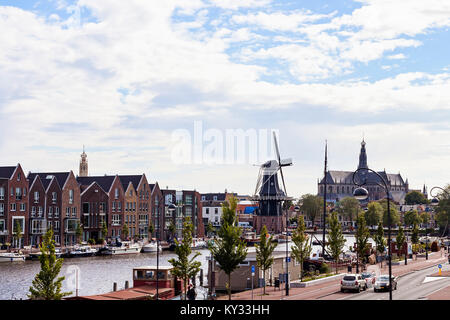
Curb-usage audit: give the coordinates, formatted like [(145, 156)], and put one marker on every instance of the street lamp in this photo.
[(435, 201), (361, 193)]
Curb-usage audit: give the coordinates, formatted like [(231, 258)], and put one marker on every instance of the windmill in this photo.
[(269, 194)]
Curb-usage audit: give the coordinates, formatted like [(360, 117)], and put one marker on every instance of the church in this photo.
[(340, 183)]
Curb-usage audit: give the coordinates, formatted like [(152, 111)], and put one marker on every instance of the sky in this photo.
[(123, 77)]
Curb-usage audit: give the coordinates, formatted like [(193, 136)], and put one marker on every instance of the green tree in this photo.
[(395, 217), (336, 239), (425, 217), (151, 229), (311, 206), (415, 197), (400, 239), (229, 250), (412, 217), (17, 233), (415, 234), (374, 213), (442, 210), (104, 230), (125, 231), (172, 229), (78, 232), (379, 239), (349, 207), (264, 252), (185, 267), (47, 285), (362, 236), (301, 249), (209, 229)]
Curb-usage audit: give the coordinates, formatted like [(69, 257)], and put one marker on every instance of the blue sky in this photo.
[(121, 76)]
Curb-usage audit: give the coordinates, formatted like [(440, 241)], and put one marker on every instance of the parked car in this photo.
[(353, 282), (370, 278), (382, 283)]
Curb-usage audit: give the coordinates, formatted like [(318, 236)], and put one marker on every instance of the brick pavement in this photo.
[(331, 290)]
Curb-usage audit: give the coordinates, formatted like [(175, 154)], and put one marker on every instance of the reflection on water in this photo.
[(96, 275)]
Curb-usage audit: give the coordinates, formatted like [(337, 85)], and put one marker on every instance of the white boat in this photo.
[(11, 257), (151, 247), (125, 248), (198, 244), (82, 251)]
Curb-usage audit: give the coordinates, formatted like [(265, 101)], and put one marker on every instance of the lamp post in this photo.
[(435, 201), (361, 193)]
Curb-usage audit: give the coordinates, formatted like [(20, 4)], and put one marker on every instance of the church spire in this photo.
[(363, 156), (83, 164)]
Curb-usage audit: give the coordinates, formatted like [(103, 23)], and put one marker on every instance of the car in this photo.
[(353, 281), (370, 278), (382, 283)]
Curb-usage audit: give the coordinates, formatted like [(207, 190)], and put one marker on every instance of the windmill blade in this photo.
[(282, 179), (276, 148)]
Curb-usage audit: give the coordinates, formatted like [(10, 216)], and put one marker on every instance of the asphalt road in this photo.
[(413, 286)]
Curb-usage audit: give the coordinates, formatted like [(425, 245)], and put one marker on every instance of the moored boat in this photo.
[(151, 247), (121, 248), (11, 257), (82, 251)]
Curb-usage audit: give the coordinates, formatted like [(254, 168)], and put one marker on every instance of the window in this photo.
[(18, 193), (86, 208), (2, 225), (102, 207), (36, 196), (114, 206), (23, 206), (216, 210), (116, 193), (74, 211), (215, 198), (56, 211), (2, 193), (67, 212), (18, 176), (115, 220), (2, 209), (33, 211), (119, 206), (189, 200), (40, 211), (70, 196), (207, 210), (188, 211), (13, 207), (203, 198), (54, 196)]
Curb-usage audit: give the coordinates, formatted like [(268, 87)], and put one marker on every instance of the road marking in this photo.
[(430, 279)]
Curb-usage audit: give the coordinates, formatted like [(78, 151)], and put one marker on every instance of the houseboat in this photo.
[(11, 257), (82, 251), (125, 247), (35, 255), (151, 247), (144, 286), (251, 238)]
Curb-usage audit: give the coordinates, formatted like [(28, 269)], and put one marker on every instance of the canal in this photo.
[(97, 274)]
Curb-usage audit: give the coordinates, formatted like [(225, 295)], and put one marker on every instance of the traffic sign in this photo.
[(440, 266), (253, 269), (288, 259)]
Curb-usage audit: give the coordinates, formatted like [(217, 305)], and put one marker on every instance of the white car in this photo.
[(353, 282), (370, 278), (382, 283)]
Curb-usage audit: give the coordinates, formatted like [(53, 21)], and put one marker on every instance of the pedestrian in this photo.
[(191, 294)]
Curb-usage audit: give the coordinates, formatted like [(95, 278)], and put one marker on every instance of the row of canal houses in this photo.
[(39, 201)]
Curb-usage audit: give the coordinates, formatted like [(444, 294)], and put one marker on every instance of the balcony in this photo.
[(4, 233), (115, 224), (41, 230)]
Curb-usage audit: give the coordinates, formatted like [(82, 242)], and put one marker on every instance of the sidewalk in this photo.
[(331, 290)]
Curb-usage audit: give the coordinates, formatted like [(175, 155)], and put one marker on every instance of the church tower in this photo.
[(83, 165), (363, 156)]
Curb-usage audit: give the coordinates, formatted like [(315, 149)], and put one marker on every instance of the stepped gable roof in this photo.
[(105, 182), (126, 179), (46, 177), (7, 172)]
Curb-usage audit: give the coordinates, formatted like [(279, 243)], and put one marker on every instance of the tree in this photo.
[(336, 239), (229, 250), (172, 229), (374, 213), (425, 217), (362, 236), (78, 232), (415, 197), (46, 284), (151, 229), (415, 234), (412, 217), (400, 239), (379, 239), (395, 217), (125, 231), (185, 267), (104, 230), (311, 206), (17, 233), (442, 216), (349, 207), (301, 249), (264, 252), (209, 228)]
